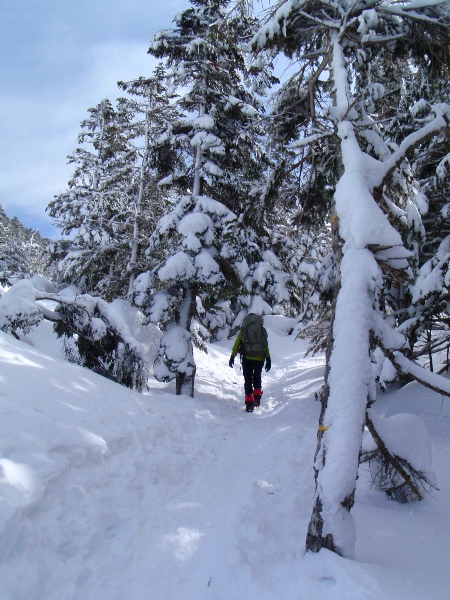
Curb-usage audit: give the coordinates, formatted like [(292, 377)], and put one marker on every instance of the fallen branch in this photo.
[(391, 461), (433, 381)]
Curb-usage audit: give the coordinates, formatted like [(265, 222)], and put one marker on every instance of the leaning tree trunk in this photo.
[(344, 400), (348, 375), (342, 412), (316, 538)]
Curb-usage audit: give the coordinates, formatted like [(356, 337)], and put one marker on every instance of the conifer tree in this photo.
[(95, 208), (425, 322), (205, 65), (218, 170), (144, 116), (331, 110), (191, 251)]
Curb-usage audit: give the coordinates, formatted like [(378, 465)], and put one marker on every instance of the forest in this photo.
[(293, 161)]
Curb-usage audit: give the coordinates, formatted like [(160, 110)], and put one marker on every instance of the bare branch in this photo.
[(391, 459)]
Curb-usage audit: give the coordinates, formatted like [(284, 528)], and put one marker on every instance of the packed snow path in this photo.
[(108, 494)]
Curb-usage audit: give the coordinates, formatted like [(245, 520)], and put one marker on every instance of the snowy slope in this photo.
[(106, 494)]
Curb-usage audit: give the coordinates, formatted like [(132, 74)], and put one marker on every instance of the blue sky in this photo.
[(57, 59)]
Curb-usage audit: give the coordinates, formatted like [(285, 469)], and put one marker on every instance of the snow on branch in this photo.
[(399, 456), (311, 139), (104, 340), (18, 310), (435, 382), (275, 24), (409, 9), (418, 4), (440, 122), (324, 22), (391, 342)]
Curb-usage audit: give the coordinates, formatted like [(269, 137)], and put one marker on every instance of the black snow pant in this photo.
[(252, 370)]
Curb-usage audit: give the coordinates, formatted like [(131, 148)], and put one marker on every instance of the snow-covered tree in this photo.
[(144, 117), (287, 273), (192, 250), (330, 112), (95, 208), (196, 264), (425, 318), (100, 334), (220, 135)]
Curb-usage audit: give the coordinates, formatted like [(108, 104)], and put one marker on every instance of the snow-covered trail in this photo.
[(106, 494), (158, 489)]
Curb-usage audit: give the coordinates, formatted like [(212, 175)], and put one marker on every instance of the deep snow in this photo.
[(106, 494)]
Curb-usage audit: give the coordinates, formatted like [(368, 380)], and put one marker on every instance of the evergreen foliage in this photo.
[(207, 246), (191, 250), (103, 340), (95, 208), (144, 117), (22, 251), (18, 310), (397, 476), (220, 135)]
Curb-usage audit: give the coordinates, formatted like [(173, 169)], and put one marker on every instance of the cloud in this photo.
[(114, 61), (41, 129), (56, 62)]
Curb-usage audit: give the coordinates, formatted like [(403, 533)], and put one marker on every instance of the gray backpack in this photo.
[(254, 336)]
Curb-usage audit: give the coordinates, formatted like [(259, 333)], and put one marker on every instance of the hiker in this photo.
[(252, 344)]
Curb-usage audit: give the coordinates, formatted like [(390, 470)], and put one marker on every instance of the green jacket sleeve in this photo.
[(237, 343)]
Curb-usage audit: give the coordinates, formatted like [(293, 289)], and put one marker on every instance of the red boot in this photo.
[(257, 397), (249, 402)]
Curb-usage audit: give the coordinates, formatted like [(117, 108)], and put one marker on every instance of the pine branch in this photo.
[(408, 145), (391, 343), (410, 12)]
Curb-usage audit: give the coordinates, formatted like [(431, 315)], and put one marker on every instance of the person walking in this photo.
[(252, 344)]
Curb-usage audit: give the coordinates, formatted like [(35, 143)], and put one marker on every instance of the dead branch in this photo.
[(391, 460)]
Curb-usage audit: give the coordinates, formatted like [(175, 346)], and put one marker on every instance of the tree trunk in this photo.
[(348, 370), (185, 382), (315, 537), (138, 209)]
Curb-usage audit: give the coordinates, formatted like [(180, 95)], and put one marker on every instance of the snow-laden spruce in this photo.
[(113, 201), (197, 245), (206, 267)]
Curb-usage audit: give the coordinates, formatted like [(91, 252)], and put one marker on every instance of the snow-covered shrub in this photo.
[(103, 340), (18, 310), (98, 332)]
